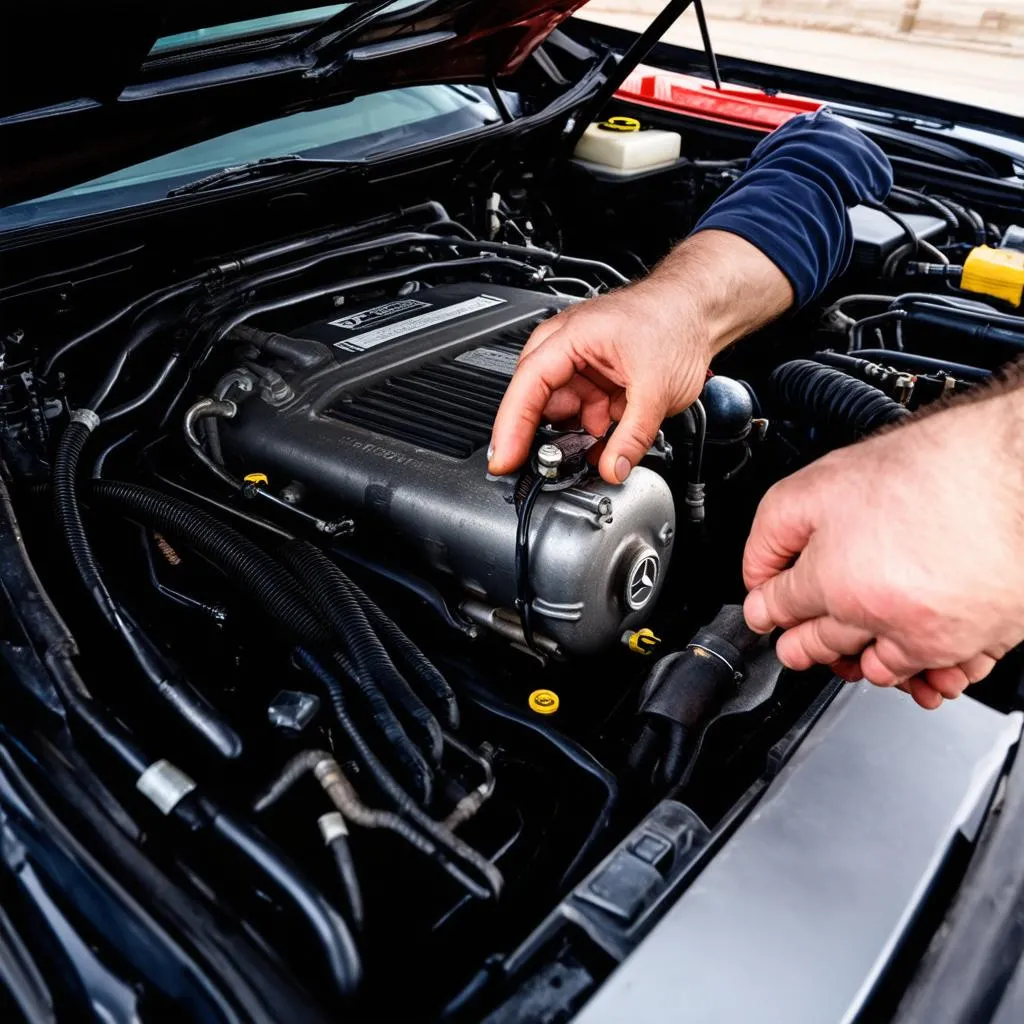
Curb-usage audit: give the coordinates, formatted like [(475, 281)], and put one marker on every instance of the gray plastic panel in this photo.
[(795, 918)]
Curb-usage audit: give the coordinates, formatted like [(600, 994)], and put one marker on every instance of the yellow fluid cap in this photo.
[(620, 124), (256, 478), (544, 702), (995, 272), (642, 641)]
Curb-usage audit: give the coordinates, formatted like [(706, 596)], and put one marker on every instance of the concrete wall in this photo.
[(996, 25)]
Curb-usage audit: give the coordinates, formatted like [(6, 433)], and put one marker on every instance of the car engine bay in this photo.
[(342, 685)]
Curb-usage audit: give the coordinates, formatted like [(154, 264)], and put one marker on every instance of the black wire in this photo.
[(524, 594), (947, 213), (912, 236), (150, 392)]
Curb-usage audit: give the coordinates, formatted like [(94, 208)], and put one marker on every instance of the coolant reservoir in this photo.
[(620, 145)]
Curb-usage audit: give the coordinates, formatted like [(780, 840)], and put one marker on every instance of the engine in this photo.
[(384, 414), (417, 742)]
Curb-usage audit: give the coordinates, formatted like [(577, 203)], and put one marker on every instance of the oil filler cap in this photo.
[(544, 702)]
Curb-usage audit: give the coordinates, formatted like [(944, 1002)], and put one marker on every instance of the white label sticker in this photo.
[(497, 360), (362, 317), (370, 339)]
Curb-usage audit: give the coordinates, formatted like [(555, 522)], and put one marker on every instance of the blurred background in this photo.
[(966, 50)]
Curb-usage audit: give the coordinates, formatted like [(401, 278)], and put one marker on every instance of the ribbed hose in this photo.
[(416, 663), (340, 603), (267, 583), (69, 514), (401, 800), (839, 404)]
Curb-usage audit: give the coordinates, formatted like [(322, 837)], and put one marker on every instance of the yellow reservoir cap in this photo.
[(544, 702), (620, 124), (995, 272)]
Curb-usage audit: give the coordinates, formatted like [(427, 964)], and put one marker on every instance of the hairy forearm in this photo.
[(722, 282)]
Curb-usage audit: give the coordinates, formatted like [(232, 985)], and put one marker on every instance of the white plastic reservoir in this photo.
[(621, 146)]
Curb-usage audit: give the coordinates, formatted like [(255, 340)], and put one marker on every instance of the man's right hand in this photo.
[(639, 354), (632, 357), (900, 559)]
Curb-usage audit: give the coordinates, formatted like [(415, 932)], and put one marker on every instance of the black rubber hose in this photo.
[(51, 636), (266, 582), (839, 404), (336, 599), (52, 639), (401, 800), (187, 702), (329, 928), (69, 514), (341, 850), (415, 662)]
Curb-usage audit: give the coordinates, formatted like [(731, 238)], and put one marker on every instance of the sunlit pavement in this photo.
[(970, 76)]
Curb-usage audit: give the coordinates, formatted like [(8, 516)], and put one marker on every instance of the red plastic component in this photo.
[(732, 104)]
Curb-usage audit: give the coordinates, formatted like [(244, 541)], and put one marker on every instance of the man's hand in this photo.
[(639, 354), (900, 559)]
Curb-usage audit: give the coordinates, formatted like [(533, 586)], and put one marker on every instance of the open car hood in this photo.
[(92, 86)]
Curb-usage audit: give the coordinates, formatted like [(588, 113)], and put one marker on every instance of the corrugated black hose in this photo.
[(337, 600), (57, 647), (833, 401), (267, 583), (189, 704), (442, 696)]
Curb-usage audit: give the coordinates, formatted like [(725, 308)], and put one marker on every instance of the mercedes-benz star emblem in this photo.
[(642, 580)]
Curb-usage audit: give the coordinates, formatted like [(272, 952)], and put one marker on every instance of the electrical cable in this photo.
[(524, 593)]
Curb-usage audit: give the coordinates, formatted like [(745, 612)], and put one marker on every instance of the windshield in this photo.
[(365, 126), (275, 24)]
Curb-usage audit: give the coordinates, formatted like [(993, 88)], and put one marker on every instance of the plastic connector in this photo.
[(995, 272)]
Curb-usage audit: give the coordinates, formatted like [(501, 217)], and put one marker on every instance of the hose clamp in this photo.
[(86, 417), (165, 785), (332, 826)]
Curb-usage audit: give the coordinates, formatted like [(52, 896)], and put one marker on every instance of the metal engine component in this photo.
[(394, 429)]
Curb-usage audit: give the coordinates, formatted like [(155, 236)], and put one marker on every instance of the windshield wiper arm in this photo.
[(267, 167)]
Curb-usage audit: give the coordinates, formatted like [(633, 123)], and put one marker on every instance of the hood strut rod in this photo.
[(705, 35)]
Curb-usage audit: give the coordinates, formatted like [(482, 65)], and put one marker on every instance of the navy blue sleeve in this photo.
[(792, 199)]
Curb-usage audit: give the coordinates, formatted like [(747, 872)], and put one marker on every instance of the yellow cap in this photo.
[(256, 478), (544, 702), (620, 124), (995, 272), (642, 641)]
